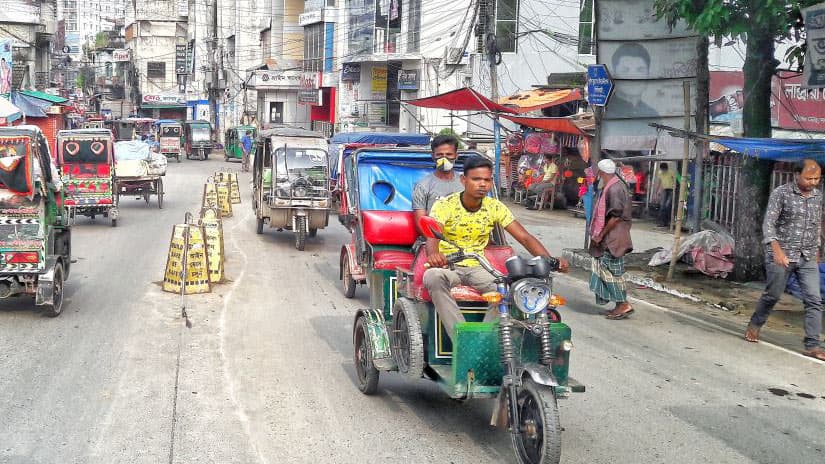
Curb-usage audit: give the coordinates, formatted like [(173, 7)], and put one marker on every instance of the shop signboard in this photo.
[(263, 79), (121, 55), (351, 72), (408, 79)]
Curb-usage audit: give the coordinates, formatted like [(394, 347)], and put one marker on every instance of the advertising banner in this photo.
[(408, 79), (351, 72), (378, 84), (121, 55), (814, 73), (5, 66), (180, 59)]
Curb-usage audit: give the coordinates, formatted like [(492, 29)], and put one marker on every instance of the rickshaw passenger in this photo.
[(441, 182), (467, 218)]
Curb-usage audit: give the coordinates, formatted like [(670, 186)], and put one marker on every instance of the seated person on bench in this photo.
[(468, 218)]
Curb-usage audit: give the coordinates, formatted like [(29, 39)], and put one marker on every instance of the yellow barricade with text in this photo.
[(186, 262), (223, 199), (210, 195), (211, 222), (231, 178)]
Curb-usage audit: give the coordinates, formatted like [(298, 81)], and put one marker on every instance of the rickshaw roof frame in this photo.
[(89, 131), (287, 131)]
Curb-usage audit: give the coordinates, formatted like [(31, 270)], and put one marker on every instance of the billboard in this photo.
[(649, 64), (5, 66), (814, 72)]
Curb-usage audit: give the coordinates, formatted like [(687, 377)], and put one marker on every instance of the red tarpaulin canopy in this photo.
[(563, 125), (464, 99)]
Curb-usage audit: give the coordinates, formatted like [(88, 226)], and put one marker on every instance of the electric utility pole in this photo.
[(492, 52)]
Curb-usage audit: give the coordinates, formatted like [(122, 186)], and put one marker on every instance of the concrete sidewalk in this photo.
[(725, 303)]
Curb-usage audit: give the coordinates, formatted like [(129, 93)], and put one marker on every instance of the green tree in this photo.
[(760, 24)]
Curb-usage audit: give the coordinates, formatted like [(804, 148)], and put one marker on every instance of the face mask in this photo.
[(443, 164)]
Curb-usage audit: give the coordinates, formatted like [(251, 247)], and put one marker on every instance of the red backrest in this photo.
[(389, 227), (496, 255)]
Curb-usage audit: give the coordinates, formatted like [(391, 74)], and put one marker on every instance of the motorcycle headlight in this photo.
[(299, 192), (531, 295)]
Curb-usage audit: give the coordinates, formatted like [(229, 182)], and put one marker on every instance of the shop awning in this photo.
[(775, 149), (537, 99), (8, 112), (30, 106), (562, 125), (162, 106), (464, 99), (45, 96)]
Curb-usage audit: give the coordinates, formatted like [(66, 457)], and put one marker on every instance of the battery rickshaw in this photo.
[(197, 136), (521, 359), (169, 135), (35, 234), (290, 182), (139, 171), (86, 157), (233, 147)]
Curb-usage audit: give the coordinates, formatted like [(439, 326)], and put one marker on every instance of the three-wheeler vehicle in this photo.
[(86, 158), (169, 135), (139, 171), (197, 137), (35, 234), (233, 148), (521, 359), (290, 188), (132, 128)]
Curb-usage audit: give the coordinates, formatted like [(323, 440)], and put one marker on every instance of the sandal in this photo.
[(816, 353), (613, 316), (752, 334)]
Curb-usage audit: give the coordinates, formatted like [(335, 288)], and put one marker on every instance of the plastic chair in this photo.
[(546, 198)]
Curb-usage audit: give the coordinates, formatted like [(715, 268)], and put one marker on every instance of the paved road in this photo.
[(265, 373)]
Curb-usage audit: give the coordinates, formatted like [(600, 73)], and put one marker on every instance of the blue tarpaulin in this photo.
[(775, 149), (30, 106), (401, 139)]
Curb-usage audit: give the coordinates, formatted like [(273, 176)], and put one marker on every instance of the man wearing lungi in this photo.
[(610, 240)]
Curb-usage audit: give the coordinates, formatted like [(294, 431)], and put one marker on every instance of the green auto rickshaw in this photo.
[(233, 148), (197, 136)]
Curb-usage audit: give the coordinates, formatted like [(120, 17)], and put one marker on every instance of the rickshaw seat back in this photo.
[(103, 170), (495, 254), (389, 227), (390, 260)]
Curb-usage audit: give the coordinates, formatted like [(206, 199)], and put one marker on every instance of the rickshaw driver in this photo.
[(441, 182), (467, 218)]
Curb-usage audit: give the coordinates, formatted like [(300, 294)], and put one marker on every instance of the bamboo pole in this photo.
[(680, 212)]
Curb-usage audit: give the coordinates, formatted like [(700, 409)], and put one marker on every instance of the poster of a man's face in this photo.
[(630, 62)]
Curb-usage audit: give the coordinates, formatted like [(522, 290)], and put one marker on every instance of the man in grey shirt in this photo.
[(442, 182), (791, 233)]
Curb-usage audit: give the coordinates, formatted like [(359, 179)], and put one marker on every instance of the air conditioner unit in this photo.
[(455, 56)]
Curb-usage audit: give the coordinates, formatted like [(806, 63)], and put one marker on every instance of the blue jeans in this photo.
[(807, 271)]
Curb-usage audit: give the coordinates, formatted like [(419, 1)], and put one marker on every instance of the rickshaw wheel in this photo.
[(313, 232), (146, 195), (407, 340), (54, 309), (159, 192), (259, 226), (364, 368), (540, 438), (346, 277), (301, 233), (178, 157), (114, 222)]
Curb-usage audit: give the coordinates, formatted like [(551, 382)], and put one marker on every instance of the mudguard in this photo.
[(378, 337), (540, 374), (45, 283)]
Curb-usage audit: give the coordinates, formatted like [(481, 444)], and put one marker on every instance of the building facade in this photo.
[(27, 33)]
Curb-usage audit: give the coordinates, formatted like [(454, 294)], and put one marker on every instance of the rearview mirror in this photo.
[(431, 228)]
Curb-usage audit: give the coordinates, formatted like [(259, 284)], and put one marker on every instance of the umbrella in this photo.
[(8, 112)]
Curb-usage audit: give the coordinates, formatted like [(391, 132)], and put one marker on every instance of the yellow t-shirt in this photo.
[(667, 180), (550, 172), (469, 230)]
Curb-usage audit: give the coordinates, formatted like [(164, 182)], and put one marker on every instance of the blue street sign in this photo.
[(599, 85)]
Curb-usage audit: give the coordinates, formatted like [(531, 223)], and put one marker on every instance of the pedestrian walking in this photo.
[(666, 182), (610, 241), (246, 147), (791, 234)]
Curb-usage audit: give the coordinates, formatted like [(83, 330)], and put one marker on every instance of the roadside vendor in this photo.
[(550, 173), (467, 218), (441, 182)]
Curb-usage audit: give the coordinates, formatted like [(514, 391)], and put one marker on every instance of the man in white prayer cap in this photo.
[(610, 240)]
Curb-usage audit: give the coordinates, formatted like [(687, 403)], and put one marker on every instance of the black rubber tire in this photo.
[(178, 157), (159, 188), (114, 222), (300, 233), (538, 410), (346, 278), (146, 195), (365, 370), (54, 310), (313, 233), (259, 225), (407, 339)]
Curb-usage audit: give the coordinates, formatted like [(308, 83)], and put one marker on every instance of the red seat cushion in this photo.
[(389, 227), (497, 255), (391, 260)]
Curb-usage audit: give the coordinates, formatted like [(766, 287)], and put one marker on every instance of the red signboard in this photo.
[(792, 107)]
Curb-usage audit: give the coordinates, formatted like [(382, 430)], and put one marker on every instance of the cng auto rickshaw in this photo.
[(233, 148), (197, 137), (86, 158), (132, 128), (290, 188), (35, 235), (169, 134), (521, 359)]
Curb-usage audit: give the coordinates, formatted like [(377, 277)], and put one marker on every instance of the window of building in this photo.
[(387, 26), (71, 26), (506, 29), (586, 36), (156, 70), (314, 47), (413, 26)]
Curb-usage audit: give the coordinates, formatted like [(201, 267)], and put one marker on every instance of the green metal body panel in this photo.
[(233, 147)]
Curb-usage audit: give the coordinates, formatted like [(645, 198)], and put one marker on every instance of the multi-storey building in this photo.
[(156, 34), (27, 32)]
